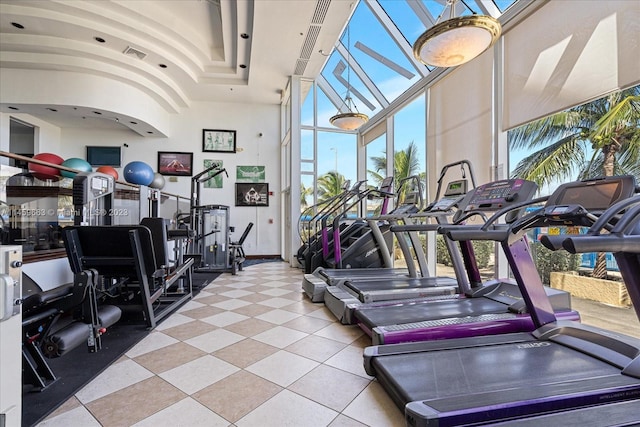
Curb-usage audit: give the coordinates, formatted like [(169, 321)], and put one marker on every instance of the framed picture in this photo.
[(218, 141), (174, 163), (253, 194), (216, 181), (250, 174)]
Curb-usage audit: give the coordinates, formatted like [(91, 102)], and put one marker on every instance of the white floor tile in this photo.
[(276, 302), (323, 313), (193, 304), (231, 304), (236, 293), (349, 359), (198, 374), (374, 408), (187, 412), (276, 292), (151, 342), (176, 319), (114, 378), (278, 316), (341, 333), (77, 417), (288, 409), (225, 318), (279, 336), (214, 340), (282, 368)]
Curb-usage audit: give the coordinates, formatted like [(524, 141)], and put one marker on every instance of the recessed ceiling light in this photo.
[(134, 123), (13, 108), (51, 109), (244, 35), (97, 112), (243, 66), (149, 132), (99, 39), (162, 65), (15, 24)]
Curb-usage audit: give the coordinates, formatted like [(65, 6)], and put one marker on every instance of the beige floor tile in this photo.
[(237, 395), (330, 386), (307, 324), (202, 312), (190, 306), (169, 357), (316, 348), (186, 412), (322, 312), (252, 310), (375, 408), (288, 409), (362, 342), (189, 330), (135, 403), (294, 293), (275, 302), (282, 368), (276, 292), (236, 293), (245, 353), (249, 327), (258, 288), (256, 297), (198, 374)]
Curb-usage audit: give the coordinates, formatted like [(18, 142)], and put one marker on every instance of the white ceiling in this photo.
[(199, 41)]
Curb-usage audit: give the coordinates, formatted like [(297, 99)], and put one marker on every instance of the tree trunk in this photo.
[(600, 268)]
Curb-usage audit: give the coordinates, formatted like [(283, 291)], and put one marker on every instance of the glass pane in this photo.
[(336, 152), (306, 144), (306, 166), (403, 17), (376, 160), (306, 113), (409, 140), (326, 109)]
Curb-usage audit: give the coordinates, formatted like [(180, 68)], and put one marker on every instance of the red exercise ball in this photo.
[(109, 170), (46, 170)]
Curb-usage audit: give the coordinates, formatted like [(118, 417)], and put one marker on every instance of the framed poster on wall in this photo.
[(218, 141), (252, 194), (175, 163)]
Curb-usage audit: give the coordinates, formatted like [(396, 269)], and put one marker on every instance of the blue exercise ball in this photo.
[(138, 173), (76, 163)]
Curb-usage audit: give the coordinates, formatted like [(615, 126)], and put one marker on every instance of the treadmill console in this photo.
[(595, 195), (498, 194)]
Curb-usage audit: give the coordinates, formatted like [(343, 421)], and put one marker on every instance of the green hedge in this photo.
[(482, 249)]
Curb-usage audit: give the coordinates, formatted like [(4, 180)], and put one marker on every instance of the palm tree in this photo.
[(304, 193), (609, 128), (406, 163), (330, 184)]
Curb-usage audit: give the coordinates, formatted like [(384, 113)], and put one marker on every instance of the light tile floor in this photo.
[(249, 350)]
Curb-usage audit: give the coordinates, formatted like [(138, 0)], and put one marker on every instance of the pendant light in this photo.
[(456, 40), (351, 119)]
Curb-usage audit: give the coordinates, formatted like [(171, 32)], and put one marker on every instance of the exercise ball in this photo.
[(76, 163), (158, 181), (46, 170), (138, 173), (109, 170)]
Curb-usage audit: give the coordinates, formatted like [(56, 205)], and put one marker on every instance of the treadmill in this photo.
[(354, 292), (497, 307), (562, 365), (314, 284)]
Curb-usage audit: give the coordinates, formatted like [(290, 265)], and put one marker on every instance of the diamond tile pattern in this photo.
[(249, 350)]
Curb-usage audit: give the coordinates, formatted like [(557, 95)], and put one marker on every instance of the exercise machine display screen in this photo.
[(498, 194), (593, 197)]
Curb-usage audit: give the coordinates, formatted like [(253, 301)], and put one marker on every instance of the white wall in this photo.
[(249, 121)]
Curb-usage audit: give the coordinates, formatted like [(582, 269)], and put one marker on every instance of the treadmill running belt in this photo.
[(515, 367), (401, 283), (420, 311)]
